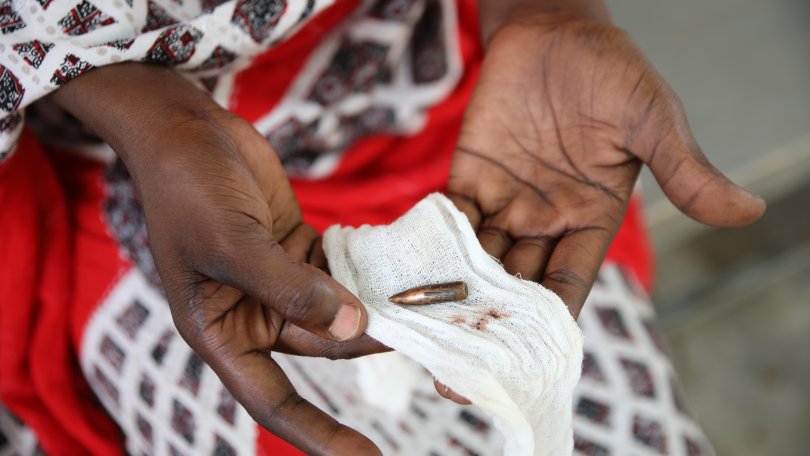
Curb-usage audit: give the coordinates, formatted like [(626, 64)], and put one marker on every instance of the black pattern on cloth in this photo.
[(175, 45), (84, 18), (10, 122), (72, 67), (10, 20), (11, 91), (628, 385), (33, 52), (11, 94), (258, 17), (219, 58), (157, 17), (352, 79), (124, 215), (162, 395)]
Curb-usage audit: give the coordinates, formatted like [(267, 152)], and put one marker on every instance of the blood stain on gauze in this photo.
[(480, 320), (512, 348)]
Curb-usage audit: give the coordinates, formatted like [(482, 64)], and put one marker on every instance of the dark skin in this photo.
[(565, 113), (550, 150)]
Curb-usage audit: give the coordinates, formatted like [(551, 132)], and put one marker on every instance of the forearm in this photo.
[(492, 13)]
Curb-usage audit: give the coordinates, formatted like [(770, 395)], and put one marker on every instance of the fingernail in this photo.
[(345, 323)]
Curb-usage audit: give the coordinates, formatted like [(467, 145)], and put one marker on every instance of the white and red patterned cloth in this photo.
[(363, 101), (46, 43)]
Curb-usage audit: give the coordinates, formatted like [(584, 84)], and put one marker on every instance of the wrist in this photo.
[(135, 108)]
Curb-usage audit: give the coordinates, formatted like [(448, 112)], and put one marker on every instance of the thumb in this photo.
[(690, 181), (302, 294)]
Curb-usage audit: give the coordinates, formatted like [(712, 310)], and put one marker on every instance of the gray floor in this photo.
[(735, 304), (735, 308), (742, 68)]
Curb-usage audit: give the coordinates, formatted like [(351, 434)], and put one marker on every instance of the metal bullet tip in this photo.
[(432, 294)]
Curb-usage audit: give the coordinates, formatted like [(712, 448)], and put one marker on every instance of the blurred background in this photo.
[(735, 304)]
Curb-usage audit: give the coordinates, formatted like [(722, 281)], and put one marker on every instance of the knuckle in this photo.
[(282, 406), (299, 300), (237, 122), (350, 350), (189, 317), (542, 242), (224, 248), (567, 277), (495, 233), (335, 353)]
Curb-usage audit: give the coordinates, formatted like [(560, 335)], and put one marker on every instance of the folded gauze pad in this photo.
[(511, 347)]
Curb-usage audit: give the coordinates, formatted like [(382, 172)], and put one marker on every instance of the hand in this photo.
[(564, 114), (226, 231), (227, 237)]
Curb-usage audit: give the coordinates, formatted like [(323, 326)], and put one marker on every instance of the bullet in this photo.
[(432, 294)]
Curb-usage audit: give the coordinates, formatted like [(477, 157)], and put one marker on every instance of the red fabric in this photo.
[(268, 444), (631, 248), (41, 382), (96, 262)]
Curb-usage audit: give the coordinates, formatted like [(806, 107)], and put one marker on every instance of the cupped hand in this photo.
[(564, 114), (227, 237), (230, 246)]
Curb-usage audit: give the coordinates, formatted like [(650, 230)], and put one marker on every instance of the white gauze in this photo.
[(511, 347)]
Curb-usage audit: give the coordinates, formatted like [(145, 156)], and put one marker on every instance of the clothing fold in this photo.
[(41, 381)]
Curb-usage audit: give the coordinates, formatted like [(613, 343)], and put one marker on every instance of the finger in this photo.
[(299, 242), (535, 225), (265, 166), (494, 241), (573, 265), (691, 182), (317, 257), (301, 293), (468, 206), (528, 257), (447, 393), (296, 341), (259, 384)]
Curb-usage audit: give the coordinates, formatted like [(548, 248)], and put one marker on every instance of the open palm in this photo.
[(563, 116)]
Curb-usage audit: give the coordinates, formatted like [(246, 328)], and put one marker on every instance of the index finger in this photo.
[(259, 384), (294, 340), (468, 206)]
